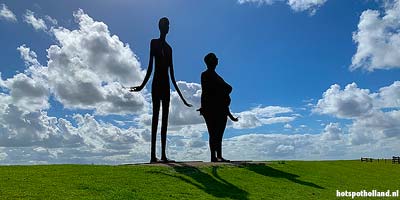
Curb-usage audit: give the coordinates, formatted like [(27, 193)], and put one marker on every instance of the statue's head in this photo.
[(211, 61), (163, 25)]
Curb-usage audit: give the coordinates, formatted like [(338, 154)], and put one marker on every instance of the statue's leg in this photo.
[(220, 133), (164, 127), (154, 124), (211, 125)]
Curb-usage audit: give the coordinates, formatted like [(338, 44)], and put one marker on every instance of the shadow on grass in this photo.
[(213, 185), (271, 172)]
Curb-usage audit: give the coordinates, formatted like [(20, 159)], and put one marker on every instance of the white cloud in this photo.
[(275, 120), (354, 102), (332, 131), (52, 140), (378, 39), (262, 116), (306, 5), (20, 128), (27, 93), (305, 147), (7, 14), (284, 149), (182, 120), (36, 23), (274, 146), (181, 114), (297, 5), (389, 97), (370, 121), (348, 103), (376, 127), (37, 138), (120, 101), (29, 56), (100, 135), (287, 126), (89, 67), (3, 156), (89, 57), (51, 20)]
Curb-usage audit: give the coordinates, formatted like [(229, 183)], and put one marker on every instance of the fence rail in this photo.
[(395, 159)]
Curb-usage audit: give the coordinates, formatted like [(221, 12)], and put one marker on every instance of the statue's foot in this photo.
[(166, 160), (221, 159), (155, 160), (214, 159)]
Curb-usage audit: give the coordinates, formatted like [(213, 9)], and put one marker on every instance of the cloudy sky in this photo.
[(312, 79)]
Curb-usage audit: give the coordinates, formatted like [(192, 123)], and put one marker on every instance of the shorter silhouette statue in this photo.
[(161, 52), (215, 101)]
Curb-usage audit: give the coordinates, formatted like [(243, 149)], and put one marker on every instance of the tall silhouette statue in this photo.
[(161, 52), (215, 103)]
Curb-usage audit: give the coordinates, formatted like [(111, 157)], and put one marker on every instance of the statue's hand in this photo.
[(201, 110), (235, 119), (187, 104), (135, 89)]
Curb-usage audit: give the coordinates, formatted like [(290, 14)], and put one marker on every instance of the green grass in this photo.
[(288, 180)]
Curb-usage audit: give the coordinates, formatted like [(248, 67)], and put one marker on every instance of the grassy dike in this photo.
[(273, 180)]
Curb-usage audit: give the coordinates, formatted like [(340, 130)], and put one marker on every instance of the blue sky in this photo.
[(271, 53)]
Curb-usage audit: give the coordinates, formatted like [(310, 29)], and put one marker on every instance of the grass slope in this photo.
[(291, 180)]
